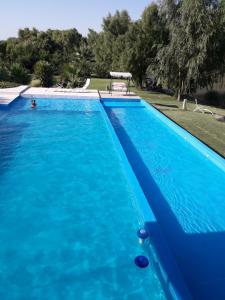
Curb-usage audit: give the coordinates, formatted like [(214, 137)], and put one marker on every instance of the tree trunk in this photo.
[(140, 81), (179, 94), (179, 89)]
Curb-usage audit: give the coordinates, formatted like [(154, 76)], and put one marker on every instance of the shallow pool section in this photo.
[(68, 213), (184, 182)]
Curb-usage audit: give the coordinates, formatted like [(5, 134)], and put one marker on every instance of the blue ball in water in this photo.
[(142, 233), (141, 261)]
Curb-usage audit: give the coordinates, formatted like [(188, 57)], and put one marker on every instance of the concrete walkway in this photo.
[(60, 93), (10, 94)]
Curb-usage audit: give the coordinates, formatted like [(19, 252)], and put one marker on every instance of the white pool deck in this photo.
[(60, 93), (10, 94)]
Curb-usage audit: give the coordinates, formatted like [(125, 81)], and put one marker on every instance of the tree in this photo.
[(117, 24), (101, 45), (4, 72), (44, 72), (214, 67), (181, 43), (191, 28), (108, 46), (136, 58), (118, 52), (142, 42), (54, 46)]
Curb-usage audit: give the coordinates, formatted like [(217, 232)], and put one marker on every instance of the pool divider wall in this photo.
[(144, 210), (188, 137), (125, 99), (61, 96), (169, 272), (5, 106)]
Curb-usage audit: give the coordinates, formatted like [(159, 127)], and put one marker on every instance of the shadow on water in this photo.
[(10, 136), (200, 257)]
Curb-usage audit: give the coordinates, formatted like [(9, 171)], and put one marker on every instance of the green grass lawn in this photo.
[(203, 126), (101, 84)]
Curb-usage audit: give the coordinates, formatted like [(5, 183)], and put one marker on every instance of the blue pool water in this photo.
[(68, 213), (185, 189)]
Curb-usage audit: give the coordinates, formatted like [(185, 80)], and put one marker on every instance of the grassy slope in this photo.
[(203, 126)]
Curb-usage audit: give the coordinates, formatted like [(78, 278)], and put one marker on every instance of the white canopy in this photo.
[(125, 75)]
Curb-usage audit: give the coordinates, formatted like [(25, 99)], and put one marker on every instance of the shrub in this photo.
[(222, 100), (44, 72), (36, 83), (70, 75), (212, 98), (19, 74), (6, 84), (4, 73)]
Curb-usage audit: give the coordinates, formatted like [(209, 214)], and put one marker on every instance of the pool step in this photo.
[(121, 99), (121, 104)]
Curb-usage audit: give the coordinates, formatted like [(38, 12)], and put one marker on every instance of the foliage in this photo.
[(191, 27), (7, 84), (70, 75), (44, 72), (142, 42), (35, 83), (118, 24), (215, 99), (79, 69), (55, 46), (177, 43), (101, 45), (19, 74), (108, 46), (127, 46), (136, 59), (4, 72)]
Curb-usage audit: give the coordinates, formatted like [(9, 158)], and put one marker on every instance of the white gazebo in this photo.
[(120, 86), (123, 75)]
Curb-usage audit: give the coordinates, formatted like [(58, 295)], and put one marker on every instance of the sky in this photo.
[(63, 14)]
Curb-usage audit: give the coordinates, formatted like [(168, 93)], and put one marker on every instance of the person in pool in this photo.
[(33, 103)]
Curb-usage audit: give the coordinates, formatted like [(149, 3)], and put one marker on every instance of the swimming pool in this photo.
[(68, 210), (184, 182)]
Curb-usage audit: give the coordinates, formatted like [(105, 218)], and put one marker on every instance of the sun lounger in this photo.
[(199, 108)]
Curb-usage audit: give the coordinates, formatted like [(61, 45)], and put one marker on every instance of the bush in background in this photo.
[(214, 98), (19, 74), (7, 84), (44, 72), (35, 83), (4, 73)]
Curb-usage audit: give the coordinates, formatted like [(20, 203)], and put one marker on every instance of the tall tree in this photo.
[(191, 26), (142, 42), (117, 24), (108, 45), (136, 57)]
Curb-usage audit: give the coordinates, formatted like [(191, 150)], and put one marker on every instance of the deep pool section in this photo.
[(185, 189), (68, 216)]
